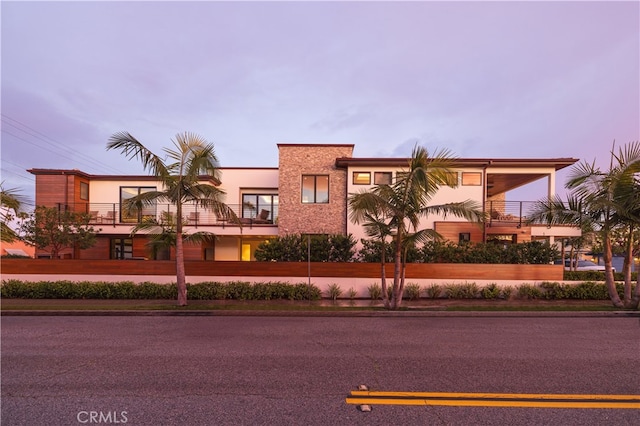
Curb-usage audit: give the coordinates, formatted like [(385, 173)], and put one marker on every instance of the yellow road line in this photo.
[(494, 400)]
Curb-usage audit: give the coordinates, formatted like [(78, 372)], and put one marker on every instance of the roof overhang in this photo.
[(556, 163)]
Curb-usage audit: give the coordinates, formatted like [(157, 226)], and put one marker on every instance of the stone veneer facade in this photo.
[(296, 160)]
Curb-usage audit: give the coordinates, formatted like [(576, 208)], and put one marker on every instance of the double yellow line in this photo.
[(365, 397)]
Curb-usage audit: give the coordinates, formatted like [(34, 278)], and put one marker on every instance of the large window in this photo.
[(315, 189), (254, 204), (134, 215)]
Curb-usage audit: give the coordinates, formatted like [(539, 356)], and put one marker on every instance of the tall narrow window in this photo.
[(84, 191), (315, 189)]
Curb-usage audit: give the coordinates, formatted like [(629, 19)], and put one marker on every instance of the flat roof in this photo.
[(557, 163)]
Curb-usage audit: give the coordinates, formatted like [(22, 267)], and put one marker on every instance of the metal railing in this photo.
[(508, 213), (192, 215)]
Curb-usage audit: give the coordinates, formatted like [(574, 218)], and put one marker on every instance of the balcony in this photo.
[(192, 215)]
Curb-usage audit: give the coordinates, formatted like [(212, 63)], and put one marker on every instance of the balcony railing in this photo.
[(192, 215), (509, 213)]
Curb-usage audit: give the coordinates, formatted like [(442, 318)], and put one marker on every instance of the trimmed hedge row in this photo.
[(594, 276), (236, 290)]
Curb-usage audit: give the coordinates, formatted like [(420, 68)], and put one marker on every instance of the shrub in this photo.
[(491, 291), (433, 291), (505, 292), (529, 291), (412, 291), (462, 291), (375, 291), (334, 291), (352, 293), (555, 290), (13, 289)]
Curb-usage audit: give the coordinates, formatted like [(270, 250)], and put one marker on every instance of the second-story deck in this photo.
[(114, 214)]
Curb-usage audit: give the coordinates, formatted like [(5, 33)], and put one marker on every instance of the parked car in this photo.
[(582, 265)]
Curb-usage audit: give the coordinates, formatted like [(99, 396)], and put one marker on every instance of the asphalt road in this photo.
[(188, 370)]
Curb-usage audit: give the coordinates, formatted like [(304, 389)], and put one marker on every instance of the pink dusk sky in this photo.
[(484, 79)]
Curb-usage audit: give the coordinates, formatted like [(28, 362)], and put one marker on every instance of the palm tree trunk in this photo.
[(397, 272), (180, 272), (608, 272), (626, 268), (383, 272)]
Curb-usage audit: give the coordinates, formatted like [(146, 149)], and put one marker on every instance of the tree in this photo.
[(403, 203), (49, 228), (10, 205), (180, 174), (606, 200), (162, 235)]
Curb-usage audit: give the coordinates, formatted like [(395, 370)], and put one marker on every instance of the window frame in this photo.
[(377, 175), (315, 197), (84, 191), (248, 213), (358, 175), (476, 179), (146, 211)]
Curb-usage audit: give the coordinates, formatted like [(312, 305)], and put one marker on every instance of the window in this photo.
[(84, 191), (121, 248), (133, 215), (464, 237), (315, 189), (253, 204), (382, 178), (361, 178), (471, 178)]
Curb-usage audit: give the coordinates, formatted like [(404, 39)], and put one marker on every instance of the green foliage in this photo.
[(433, 291), (534, 252), (505, 292), (594, 276), (49, 228), (491, 291), (15, 289), (462, 291), (529, 291), (334, 291), (412, 291), (352, 293), (375, 291), (293, 248), (371, 251)]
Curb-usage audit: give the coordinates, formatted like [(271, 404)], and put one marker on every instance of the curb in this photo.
[(377, 314)]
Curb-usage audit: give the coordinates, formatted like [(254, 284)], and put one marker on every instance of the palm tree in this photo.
[(180, 174), (604, 200), (405, 202), (376, 227), (10, 203)]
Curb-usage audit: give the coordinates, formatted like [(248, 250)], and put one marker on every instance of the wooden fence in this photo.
[(58, 269)]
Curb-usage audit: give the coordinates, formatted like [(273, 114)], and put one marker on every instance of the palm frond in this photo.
[(133, 149)]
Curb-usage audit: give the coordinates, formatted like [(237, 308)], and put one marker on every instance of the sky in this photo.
[(506, 79)]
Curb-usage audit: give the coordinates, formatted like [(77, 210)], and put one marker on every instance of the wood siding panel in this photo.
[(445, 271), (451, 230)]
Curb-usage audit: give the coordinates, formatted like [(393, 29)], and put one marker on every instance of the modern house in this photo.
[(306, 194)]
